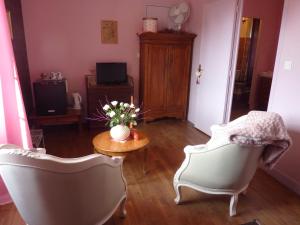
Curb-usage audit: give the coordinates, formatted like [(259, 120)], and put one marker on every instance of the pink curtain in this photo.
[(13, 121)]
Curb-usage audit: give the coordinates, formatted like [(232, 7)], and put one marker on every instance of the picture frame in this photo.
[(109, 32)]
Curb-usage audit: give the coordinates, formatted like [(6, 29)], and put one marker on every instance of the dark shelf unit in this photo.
[(98, 95)]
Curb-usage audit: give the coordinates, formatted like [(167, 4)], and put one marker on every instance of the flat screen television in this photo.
[(111, 73)]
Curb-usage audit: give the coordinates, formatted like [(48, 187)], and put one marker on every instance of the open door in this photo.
[(217, 55)]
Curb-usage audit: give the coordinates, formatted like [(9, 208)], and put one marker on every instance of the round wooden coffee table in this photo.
[(104, 144)]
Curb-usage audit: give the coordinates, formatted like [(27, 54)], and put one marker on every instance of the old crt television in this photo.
[(111, 72), (50, 97)]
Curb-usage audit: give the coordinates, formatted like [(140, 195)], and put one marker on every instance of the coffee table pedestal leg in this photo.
[(145, 160)]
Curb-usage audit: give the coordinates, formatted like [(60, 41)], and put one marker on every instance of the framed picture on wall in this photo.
[(109, 32)]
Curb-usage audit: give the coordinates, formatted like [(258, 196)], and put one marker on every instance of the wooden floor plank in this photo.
[(151, 196)]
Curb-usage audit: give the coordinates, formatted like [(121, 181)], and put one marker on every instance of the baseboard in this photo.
[(190, 123), (289, 182), (5, 199)]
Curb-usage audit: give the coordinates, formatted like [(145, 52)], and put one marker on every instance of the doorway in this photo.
[(256, 54), (249, 32)]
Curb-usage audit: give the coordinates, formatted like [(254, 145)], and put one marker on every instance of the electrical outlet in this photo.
[(288, 65)]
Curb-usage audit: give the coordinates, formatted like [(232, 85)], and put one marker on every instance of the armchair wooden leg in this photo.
[(233, 203), (122, 208), (177, 189)]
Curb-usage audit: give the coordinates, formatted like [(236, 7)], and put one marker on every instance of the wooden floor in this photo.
[(150, 197)]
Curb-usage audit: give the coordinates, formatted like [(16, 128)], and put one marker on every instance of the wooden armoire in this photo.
[(165, 69)]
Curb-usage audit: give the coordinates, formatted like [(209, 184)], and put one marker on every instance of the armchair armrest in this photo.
[(194, 148)]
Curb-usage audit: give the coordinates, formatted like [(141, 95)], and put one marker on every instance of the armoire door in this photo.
[(154, 68), (177, 80)]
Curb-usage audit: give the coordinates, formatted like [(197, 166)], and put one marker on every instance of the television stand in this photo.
[(101, 94), (73, 116)]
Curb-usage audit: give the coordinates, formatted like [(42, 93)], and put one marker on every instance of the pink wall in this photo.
[(270, 13), (63, 35), (285, 92)]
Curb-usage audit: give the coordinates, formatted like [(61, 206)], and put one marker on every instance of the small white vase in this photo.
[(119, 132)]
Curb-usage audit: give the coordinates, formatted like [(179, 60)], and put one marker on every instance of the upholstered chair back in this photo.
[(48, 190), (230, 166)]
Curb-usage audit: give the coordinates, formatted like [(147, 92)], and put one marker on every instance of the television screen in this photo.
[(111, 73)]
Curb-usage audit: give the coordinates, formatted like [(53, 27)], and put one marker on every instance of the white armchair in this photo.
[(54, 191), (222, 169)]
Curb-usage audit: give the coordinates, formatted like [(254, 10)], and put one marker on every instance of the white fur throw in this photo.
[(255, 128), (263, 128)]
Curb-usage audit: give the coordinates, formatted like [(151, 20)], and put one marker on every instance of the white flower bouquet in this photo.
[(117, 113)]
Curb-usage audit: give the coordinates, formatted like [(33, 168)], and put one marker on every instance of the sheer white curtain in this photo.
[(13, 121)]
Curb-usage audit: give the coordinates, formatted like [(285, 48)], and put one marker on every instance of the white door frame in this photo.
[(233, 60)]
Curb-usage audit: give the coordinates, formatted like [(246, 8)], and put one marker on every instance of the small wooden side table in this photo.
[(104, 144), (72, 116)]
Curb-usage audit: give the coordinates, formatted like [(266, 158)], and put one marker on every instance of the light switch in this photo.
[(288, 65)]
